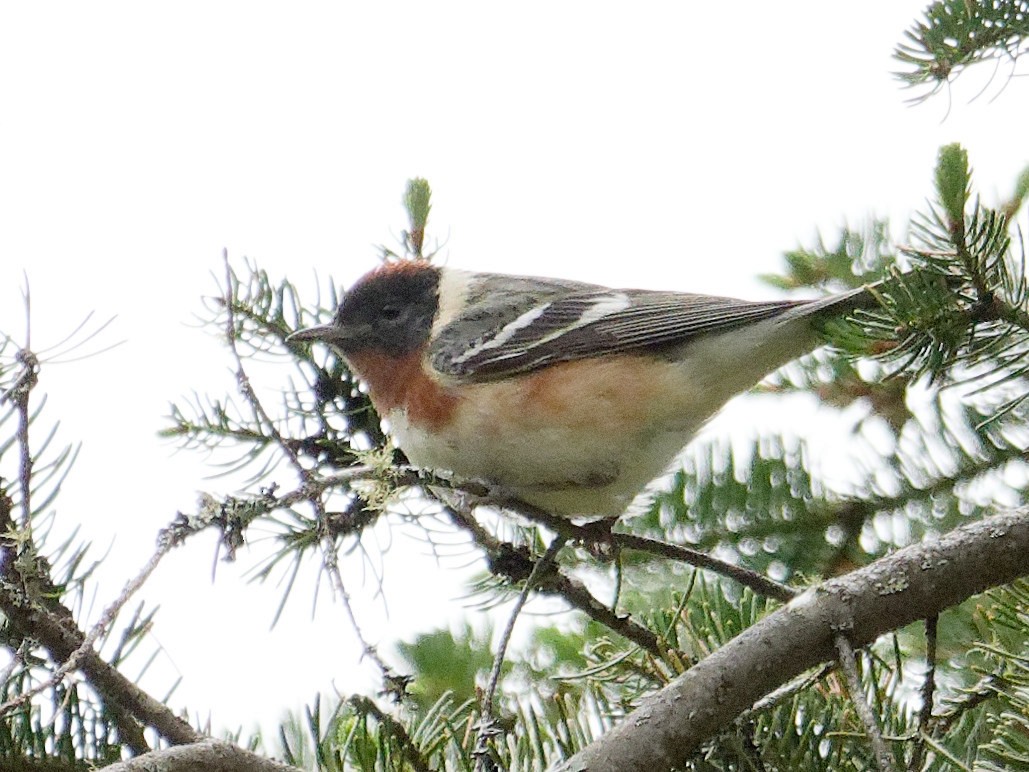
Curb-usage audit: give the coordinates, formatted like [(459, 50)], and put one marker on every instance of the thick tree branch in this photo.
[(206, 756), (29, 601), (915, 583), (62, 638)]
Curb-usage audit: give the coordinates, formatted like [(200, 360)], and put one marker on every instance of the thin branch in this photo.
[(98, 629), (759, 583), (396, 731), (985, 689), (310, 490), (487, 721), (578, 597), (517, 565), (28, 379), (331, 565), (538, 570), (590, 534), (61, 639), (925, 713), (848, 664), (261, 416), (29, 602), (788, 691)]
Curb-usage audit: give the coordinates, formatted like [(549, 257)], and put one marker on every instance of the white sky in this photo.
[(658, 144)]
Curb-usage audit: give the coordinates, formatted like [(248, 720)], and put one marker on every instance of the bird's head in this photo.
[(390, 310)]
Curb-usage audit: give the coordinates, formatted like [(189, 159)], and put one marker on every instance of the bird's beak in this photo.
[(326, 333)]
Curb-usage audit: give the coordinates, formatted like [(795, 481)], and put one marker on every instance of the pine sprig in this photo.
[(959, 315), (858, 256), (955, 34), (999, 702)]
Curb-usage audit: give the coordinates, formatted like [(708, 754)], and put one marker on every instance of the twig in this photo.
[(261, 416), (332, 568), (985, 689), (577, 596), (848, 664), (925, 713), (411, 752), (98, 629), (787, 691), (517, 565), (762, 585), (53, 626), (17, 658), (759, 583), (311, 488), (21, 399), (58, 635), (29, 601), (486, 721)]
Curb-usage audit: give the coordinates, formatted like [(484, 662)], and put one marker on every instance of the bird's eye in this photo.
[(390, 313)]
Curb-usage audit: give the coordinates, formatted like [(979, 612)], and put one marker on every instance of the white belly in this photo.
[(583, 438)]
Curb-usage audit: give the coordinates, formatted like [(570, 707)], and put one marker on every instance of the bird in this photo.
[(565, 395)]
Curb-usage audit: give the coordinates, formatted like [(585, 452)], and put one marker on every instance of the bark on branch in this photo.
[(61, 638), (29, 601), (206, 756), (914, 583)]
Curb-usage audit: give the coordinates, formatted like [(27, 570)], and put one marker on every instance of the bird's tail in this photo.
[(835, 305)]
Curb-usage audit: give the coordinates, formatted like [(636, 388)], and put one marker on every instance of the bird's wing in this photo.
[(596, 321)]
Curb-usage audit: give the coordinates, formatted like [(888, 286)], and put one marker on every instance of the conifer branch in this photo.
[(914, 583), (955, 34)]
